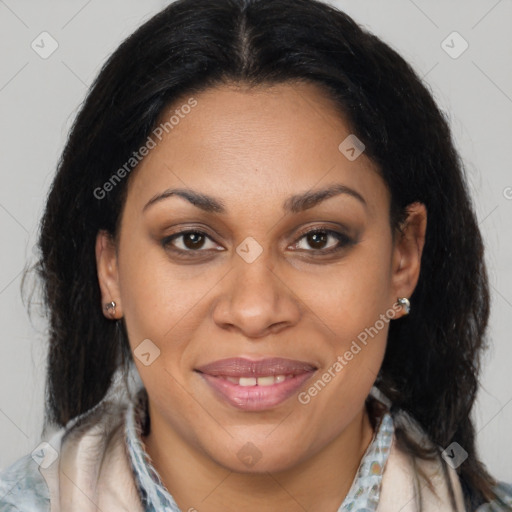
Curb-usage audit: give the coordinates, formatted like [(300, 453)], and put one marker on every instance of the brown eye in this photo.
[(318, 241), (193, 240), (188, 242)]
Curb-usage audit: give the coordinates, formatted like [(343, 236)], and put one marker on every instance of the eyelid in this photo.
[(338, 229), (166, 241), (343, 239)]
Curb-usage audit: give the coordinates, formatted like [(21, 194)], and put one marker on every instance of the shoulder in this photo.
[(31, 483), (409, 480), (504, 492), (23, 488), (401, 489)]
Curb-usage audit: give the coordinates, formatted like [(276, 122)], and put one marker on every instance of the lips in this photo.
[(255, 385), (239, 367)]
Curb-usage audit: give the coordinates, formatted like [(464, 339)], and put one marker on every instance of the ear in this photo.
[(107, 269), (407, 251)]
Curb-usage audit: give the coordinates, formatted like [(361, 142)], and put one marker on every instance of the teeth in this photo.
[(266, 381), (247, 381), (260, 381)]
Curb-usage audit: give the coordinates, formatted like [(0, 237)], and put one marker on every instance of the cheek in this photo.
[(349, 296), (162, 302), (351, 305)]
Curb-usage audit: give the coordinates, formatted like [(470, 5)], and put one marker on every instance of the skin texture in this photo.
[(252, 150)]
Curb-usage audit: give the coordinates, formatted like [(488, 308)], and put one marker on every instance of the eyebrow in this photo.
[(294, 204)]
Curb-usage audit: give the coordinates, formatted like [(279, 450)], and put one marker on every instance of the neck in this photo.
[(318, 484)]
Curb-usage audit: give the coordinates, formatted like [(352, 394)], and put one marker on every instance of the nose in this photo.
[(255, 300)]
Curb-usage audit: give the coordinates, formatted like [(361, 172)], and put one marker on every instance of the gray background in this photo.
[(39, 99)]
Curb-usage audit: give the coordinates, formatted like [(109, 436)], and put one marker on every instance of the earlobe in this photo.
[(107, 270), (408, 251)]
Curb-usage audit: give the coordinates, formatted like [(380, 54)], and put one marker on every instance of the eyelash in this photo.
[(344, 241)]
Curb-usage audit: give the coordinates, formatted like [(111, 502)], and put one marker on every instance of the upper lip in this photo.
[(241, 367)]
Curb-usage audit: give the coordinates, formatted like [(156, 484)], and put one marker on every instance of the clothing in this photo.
[(102, 465)]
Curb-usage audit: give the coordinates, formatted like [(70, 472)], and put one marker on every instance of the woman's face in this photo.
[(208, 312)]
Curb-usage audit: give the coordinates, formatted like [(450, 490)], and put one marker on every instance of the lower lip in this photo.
[(256, 398)]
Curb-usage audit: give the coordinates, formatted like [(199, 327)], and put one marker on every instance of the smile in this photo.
[(255, 385)]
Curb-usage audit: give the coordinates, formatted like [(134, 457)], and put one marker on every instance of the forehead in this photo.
[(253, 145)]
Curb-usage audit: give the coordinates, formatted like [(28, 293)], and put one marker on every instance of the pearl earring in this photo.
[(404, 302)]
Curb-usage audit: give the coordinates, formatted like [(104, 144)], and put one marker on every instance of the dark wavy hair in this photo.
[(432, 362)]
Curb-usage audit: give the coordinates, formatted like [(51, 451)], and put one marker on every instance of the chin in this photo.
[(258, 458)]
